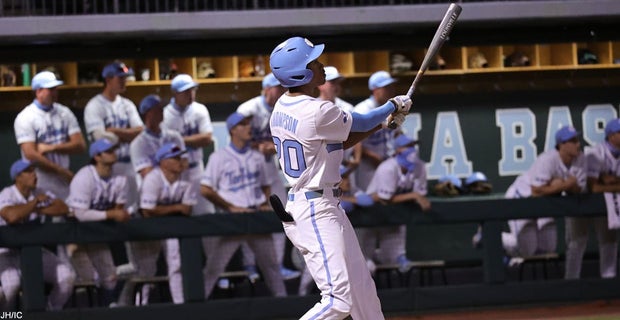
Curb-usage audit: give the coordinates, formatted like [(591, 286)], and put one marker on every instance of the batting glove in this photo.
[(402, 103), (397, 118), (364, 200)]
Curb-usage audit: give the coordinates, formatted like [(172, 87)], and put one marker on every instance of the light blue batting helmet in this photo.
[(289, 59)]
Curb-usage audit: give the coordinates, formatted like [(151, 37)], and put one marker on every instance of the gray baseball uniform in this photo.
[(191, 120), (388, 181), (238, 177), (156, 190), (90, 198), (379, 142), (599, 160), (55, 271), (531, 236), (100, 114), (33, 124)]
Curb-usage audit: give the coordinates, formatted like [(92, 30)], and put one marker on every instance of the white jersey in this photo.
[(90, 191), (101, 113), (237, 177), (600, 161), (309, 154), (389, 180), (156, 190), (192, 120), (144, 147), (546, 167), (34, 124)]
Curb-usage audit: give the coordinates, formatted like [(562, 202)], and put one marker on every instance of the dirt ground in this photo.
[(596, 310)]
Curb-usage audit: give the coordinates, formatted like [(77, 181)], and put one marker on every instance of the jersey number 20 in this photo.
[(293, 153)]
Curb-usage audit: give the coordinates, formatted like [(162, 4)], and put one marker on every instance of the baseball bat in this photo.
[(442, 33), (278, 208)]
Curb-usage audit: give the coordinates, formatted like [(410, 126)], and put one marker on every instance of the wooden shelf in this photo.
[(245, 72)]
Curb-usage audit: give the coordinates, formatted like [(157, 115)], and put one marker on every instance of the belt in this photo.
[(193, 165), (309, 195)]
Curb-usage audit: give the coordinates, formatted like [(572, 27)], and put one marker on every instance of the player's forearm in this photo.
[(73, 146), (600, 188), (215, 198), (90, 214), (57, 208), (546, 190), (125, 134), (198, 140), (43, 162), (17, 213), (355, 137)]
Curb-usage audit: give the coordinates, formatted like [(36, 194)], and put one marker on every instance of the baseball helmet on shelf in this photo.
[(478, 60), (289, 59), (585, 56), (517, 59)]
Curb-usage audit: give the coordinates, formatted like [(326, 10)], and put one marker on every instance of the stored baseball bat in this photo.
[(278, 207), (445, 27)]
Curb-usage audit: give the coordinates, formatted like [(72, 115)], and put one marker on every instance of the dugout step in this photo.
[(425, 271)]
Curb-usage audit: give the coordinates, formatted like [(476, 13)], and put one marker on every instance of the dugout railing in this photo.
[(491, 212)]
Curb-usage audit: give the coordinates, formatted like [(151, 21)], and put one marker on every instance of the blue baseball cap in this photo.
[(564, 134), (476, 177), (99, 146), (270, 81), (452, 179), (148, 103), (45, 79), (116, 69), (234, 119), (380, 79), (403, 141), (20, 166), (183, 82), (168, 150), (331, 73), (612, 126)]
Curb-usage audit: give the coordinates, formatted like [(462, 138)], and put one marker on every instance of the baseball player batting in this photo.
[(310, 136)]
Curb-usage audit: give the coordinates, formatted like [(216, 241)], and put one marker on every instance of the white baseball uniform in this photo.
[(33, 124), (599, 161), (143, 148), (55, 271), (388, 181), (308, 134), (100, 114), (379, 142), (238, 177), (260, 112), (157, 190), (191, 120), (90, 198), (531, 236)]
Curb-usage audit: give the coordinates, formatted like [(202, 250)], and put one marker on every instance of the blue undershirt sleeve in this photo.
[(367, 121)]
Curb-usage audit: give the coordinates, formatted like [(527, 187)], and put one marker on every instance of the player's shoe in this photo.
[(253, 274), (404, 264), (372, 267), (125, 270), (223, 283), (288, 274), (476, 240)]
